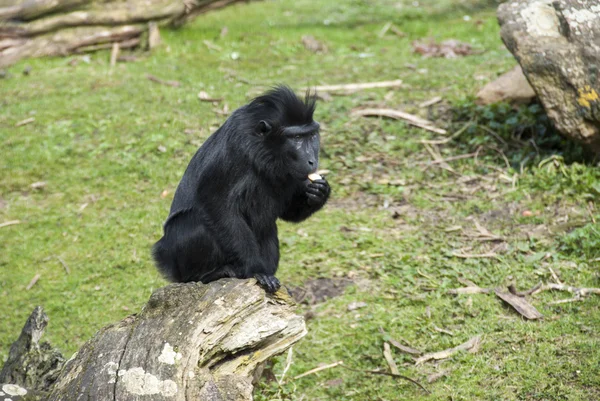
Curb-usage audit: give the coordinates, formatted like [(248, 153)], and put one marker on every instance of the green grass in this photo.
[(95, 143)]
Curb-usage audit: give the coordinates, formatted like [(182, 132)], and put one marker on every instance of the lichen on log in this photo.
[(190, 342), (557, 44)]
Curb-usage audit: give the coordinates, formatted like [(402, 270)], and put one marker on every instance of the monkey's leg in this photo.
[(226, 271)]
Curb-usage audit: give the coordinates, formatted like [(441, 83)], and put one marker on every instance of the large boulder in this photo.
[(557, 44)]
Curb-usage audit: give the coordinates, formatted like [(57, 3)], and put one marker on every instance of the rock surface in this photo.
[(557, 44), (511, 87)]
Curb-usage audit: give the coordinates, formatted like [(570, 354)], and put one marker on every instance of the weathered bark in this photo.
[(557, 44), (32, 367), (190, 342), (34, 28)]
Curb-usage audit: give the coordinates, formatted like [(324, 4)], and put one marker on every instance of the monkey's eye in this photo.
[(297, 137)]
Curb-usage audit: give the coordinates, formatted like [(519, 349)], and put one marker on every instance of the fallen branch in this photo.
[(33, 281), (389, 358), (163, 82), (472, 344), (400, 115), (320, 368), (37, 28), (469, 290), (379, 372), (10, 223), (474, 255), (355, 87), (573, 290)]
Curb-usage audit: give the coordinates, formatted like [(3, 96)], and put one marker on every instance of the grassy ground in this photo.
[(107, 143)]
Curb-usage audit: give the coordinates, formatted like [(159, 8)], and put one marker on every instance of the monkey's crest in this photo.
[(282, 106)]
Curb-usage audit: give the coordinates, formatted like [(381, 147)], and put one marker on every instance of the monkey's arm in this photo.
[(307, 201)]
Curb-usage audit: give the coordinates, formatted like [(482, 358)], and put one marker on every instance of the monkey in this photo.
[(250, 172)]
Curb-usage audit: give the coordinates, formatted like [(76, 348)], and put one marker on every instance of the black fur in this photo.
[(247, 174)]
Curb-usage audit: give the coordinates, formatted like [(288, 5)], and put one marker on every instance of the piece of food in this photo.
[(314, 177)]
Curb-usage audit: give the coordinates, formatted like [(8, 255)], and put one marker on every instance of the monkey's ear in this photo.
[(263, 128)]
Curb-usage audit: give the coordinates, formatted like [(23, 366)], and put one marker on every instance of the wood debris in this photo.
[(33, 281), (430, 102), (357, 86), (153, 35), (114, 54), (318, 369), (520, 304), (474, 255), (389, 358), (436, 376), (403, 348), (10, 223), (205, 97), (472, 344), (163, 82), (25, 122), (400, 115), (469, 290)]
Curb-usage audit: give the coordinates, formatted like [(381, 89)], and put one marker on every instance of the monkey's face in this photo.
[(301, 153)]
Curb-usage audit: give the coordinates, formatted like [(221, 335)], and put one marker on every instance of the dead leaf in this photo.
[(164, 194), (520, 304), (472, 343), (356, 305), (449, 48), (313, 45), (334, 383)]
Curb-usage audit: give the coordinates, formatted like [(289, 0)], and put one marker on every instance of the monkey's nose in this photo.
[(311, 163)]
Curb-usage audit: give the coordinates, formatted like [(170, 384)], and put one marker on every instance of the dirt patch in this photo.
[(318, 290)]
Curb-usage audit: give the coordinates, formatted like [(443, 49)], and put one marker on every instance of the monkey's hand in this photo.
[(317, 192), (269, 283)]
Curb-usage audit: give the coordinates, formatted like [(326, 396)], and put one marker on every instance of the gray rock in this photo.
[(557, 44)]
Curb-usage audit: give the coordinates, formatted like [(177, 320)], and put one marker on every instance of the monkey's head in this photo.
[(290, 137)]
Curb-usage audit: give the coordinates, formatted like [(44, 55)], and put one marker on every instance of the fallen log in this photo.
[(190, 342), (36, 28)]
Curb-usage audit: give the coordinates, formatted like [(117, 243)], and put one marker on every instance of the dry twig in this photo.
[(401, 115), (163, 82), (320, 368), (379, 372), (10, 223), (389, 358), (472, 344), (354, 87), (33, 281), (475, 255)]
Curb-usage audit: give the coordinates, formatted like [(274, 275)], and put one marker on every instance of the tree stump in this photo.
[(36, 28), (557, 44), (190, 342)]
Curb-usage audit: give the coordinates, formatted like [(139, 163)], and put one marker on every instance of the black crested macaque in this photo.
[(253, 170)]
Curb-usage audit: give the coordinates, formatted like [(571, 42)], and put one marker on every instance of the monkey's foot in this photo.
[(269, 283)]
